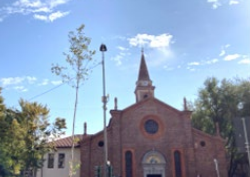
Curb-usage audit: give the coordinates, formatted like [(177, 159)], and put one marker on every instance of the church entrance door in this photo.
[(154, 175), (154, 164)]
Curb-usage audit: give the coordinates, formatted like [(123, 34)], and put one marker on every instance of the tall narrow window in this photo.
[(61, 160), (177, 163), (51, 160), (128, 164)]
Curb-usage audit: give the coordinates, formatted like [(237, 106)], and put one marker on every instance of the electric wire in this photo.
[(38, 95)]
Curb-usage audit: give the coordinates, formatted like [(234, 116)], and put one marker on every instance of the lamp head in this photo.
[(103, 48)]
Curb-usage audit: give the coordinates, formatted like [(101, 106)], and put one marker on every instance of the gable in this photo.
[(154, 101)]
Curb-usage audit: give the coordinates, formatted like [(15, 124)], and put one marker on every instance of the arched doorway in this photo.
[(154, 164)]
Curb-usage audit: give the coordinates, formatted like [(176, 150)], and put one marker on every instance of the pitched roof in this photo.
[(201, 133), (143, 72), (67, 141)]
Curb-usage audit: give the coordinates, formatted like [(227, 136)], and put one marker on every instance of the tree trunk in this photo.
[(73, 131)]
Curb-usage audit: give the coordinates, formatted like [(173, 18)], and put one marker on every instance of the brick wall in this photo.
[(126, 132)]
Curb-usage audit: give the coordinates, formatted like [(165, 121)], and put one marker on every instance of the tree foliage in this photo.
[(76, 71), (78, 60), (218, 103), (25, 137)]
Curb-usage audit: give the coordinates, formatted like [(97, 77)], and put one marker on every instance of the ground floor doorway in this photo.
[(154, 164), (154, 175)]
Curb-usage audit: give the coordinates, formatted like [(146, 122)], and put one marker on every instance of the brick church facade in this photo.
[(152, 139)]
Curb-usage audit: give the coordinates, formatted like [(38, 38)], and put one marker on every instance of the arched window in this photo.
[(128, 164), (177, 163)]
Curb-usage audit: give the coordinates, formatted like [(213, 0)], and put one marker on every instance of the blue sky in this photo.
[(184, 43)]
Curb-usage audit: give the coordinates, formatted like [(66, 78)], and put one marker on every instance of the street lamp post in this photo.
[(246, 139), (216, 167), (103, 49)]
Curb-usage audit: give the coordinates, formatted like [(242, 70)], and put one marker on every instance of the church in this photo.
[(153, 139)]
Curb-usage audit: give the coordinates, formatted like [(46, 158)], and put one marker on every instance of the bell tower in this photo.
[(144, 88)]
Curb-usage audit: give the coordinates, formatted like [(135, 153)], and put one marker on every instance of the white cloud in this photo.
[(22, 84), (21, 88), (194, 64), (27, 3), (42, 9), (122, 48), (118, 59), (55, 3), (190, 69), (232, 57), (122, 53), (11, 81), (39, 9), (218, 3), (159, 46), (51, 17), (152, 41), (233, 2), (40, 17), (45, 82), (56, 82), (215, 60), (17, 80), (31, 79), (215, 3), (244, 61), (57, 15), (168, 68), (222, 53)]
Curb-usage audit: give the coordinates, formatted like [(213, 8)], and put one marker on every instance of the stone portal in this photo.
[(154, 164)]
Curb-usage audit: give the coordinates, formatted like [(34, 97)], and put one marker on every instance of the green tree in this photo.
[(76, 72), (2, 106), (3, 126), (217, 106), (26, 135), (39, 132), (12, 142)]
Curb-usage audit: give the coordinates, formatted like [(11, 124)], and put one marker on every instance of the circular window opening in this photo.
[(100, 143), (145, 96), (151, 126), (202, 143)]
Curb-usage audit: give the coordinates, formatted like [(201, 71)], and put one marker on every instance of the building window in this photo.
[(203, 143), (100, 143), (128, 164), (51, 160), (177, 163), (61, 160), (151, 126)]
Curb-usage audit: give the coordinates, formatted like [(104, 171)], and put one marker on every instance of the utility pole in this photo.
[(247, 142), (103, 49), (216, 167)]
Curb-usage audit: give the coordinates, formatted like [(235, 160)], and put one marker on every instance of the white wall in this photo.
[(60, 172)]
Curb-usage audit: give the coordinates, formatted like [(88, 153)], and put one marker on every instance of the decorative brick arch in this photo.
[(153, 163)]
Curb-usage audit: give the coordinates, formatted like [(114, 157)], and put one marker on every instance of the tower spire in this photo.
[(144, 88), (143, 70)]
